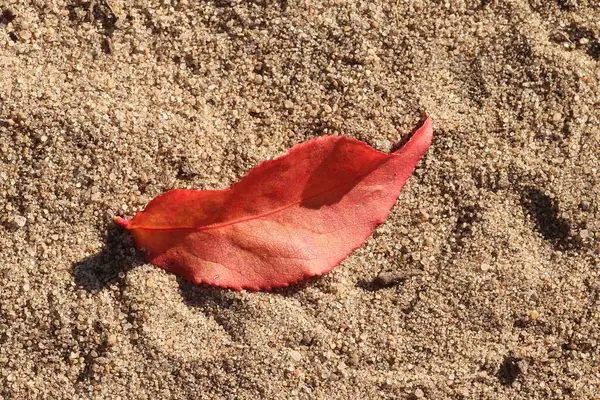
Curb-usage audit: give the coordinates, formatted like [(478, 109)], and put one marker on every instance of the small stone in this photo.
[(288, 104), (217, 168), (585, 205), (25, 34), (524, 366), (557, 117), (111, 339), (534, 314), (258, 79), (327, 109), (485, 267), (307, 340), (20, 221), (583, 234), (419, 393), (383, 145), (295, 356)]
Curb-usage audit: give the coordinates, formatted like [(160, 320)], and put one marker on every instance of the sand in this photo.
[(482, 284)]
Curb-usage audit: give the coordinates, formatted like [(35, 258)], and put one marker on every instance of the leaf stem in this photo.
[(121, 222)]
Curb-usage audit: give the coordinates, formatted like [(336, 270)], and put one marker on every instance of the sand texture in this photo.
[(483, 283)]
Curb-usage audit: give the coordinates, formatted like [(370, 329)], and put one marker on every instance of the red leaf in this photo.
[(288, 219)]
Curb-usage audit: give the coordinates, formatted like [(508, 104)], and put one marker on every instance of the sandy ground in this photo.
[(482, 284)]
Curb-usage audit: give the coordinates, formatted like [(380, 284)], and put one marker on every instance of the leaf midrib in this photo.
[(266, 214)]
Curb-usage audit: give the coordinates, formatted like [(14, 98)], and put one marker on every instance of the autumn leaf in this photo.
[(288, 219)]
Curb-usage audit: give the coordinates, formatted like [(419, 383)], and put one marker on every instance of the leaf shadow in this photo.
[(230, 309), (293, 290), (226, 307), (201, 296), (107, 267)]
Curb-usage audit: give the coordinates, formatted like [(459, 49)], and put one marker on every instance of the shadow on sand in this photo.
[(107, 267)]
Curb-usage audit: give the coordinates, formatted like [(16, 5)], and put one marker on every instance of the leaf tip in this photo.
[(121, 222), (425, 131), (428, 124), (420, 140)]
